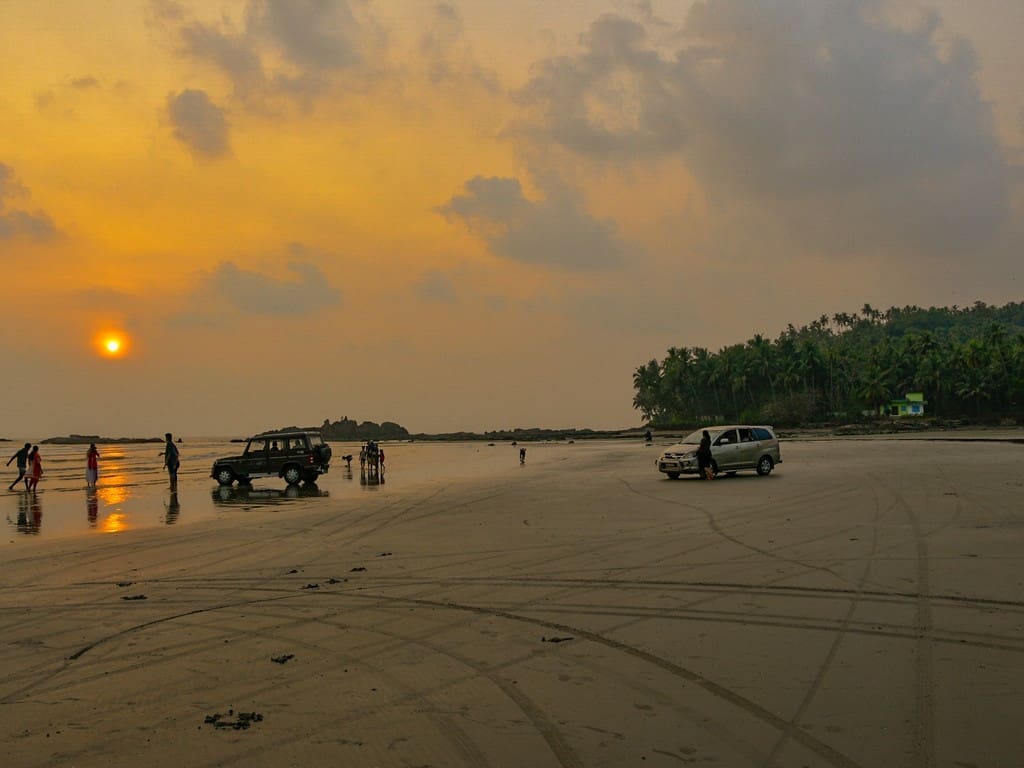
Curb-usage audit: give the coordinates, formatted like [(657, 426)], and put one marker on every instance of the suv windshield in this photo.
[(694, 437)]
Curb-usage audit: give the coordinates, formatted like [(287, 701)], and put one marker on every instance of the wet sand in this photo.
[(862, 606)]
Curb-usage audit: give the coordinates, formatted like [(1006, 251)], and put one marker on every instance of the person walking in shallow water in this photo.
[(35, 472), (22, 457), (171, 460), (92, 465)]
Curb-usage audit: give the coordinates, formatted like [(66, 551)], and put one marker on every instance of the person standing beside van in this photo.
[(704, 456)]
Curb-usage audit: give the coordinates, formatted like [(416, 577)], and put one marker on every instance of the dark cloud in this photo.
[(435, 287), (827, 116), (15, 222), (257, 293), (198, 123), (290, 47), (553, 231)]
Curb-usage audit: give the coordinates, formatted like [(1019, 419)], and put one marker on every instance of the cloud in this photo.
[(447, 58), (15, 222), (553, 231), (198, 123), (828, 119), (435, 287), (260, 294), (290, 47)]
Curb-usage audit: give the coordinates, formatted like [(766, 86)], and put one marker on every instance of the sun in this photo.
[(111, 344)]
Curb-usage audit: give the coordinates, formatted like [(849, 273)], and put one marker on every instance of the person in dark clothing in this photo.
[(171, 460), (704, 460), (22, 457)]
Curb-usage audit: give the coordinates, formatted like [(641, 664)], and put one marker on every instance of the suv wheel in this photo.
[(765, 465), (225, 476), (292, 474)]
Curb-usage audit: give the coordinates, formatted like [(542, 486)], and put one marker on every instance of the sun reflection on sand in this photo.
[(114, 523), (113, 492)]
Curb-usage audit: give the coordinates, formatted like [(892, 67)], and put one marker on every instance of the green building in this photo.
[(911, 405)]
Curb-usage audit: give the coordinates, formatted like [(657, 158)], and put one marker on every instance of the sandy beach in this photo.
[(862, 606)]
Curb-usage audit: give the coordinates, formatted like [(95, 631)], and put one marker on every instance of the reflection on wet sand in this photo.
[(115, 522), (371, 477), (114, 490), (172, 509), (92, 506), (247, 495), (30, 512)]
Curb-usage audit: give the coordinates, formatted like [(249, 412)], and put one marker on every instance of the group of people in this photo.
[(30, 465), (29, 454), (373, 455)]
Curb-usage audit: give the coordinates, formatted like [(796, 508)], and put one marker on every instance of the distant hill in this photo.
[(348, 429)]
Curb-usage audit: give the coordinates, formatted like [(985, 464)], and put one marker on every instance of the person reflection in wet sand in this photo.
[(173, 509), (92, 506), (23, 513), (30, 513)]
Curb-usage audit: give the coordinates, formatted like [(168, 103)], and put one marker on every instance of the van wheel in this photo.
[(225, 476), (292, 475), (672, 475), (765, 465)]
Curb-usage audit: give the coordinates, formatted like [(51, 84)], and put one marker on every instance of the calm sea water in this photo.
[(133, 490)]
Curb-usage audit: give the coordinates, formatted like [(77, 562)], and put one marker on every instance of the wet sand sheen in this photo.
[(859, 607)]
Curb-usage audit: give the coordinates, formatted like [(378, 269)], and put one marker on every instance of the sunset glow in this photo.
[(111, 345), (470, 215)]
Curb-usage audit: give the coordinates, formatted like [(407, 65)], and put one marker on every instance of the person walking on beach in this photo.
[(522, 455), (704, 456), (36, 470), (22, 457), (171, 460), (92, 466)]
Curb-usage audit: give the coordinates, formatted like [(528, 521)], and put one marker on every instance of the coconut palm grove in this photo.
[(967, 362)]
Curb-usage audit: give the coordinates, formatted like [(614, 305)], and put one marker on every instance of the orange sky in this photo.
[(472, 215)]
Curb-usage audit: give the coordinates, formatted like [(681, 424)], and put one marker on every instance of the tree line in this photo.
[(968, 362)]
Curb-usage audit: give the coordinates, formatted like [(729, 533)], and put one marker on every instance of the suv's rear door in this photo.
[(749, 451), (725, 450)]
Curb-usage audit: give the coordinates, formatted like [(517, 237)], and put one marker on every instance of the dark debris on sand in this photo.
[(240, 722), (555, 639), (134, 597), (282, 659)]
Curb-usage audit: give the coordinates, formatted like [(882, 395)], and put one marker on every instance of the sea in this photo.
[(134, 492)]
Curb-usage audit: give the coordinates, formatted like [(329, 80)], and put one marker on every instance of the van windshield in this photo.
[(694, 437)]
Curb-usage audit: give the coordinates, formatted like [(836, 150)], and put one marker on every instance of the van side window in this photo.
[(746, 435), (726, 438), (761, 433)]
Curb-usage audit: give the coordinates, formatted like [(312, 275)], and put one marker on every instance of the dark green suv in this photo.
[(295, 455)]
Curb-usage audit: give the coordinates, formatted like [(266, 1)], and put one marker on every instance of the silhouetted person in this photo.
[(522, 455), (35, 472), (22, 457), (704, 456), (648, 437), (171, 460), (92, 466)]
